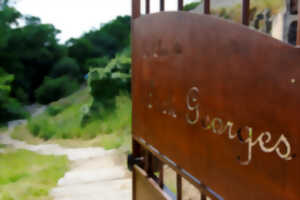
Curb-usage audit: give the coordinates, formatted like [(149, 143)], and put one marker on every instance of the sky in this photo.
[(74, 17)]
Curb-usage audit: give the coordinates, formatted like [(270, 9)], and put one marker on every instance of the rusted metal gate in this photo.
[(218, 103)]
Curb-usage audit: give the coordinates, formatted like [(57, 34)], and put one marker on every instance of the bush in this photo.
[(55, 110), (21, 95), (66, 67), (42, 128), (106, 83), (191, 6), (96, 63), (10, 108), (54, 89)]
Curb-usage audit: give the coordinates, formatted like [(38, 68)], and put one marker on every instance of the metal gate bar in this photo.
[(204, 190)]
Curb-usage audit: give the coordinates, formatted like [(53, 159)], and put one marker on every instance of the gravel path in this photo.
[(95, 174)]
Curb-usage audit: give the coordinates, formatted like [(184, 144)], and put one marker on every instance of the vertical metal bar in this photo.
[(147, 7), (133, 184), (203, 196), (298, 27), (246, 12), (162, 5), (148, 163), (179, 186), (180, 4), (136, 8), (161, 175), (136, 151), (207, 7)]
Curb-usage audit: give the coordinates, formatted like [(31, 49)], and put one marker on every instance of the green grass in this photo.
[(22, 133), (25, 175), (64, 123), (3, 129)]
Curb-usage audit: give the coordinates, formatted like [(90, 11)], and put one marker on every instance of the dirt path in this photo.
[(95, 174)]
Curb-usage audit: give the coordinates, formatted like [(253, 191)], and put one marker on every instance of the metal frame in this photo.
[(136, 5)]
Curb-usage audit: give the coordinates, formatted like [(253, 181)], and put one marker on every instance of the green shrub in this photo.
[(106, 83), (21, 95), (96, 63), (66, 67), (191, 6), (42, 128), (54, 89), (112, 129), (10, 108), (53, 110)]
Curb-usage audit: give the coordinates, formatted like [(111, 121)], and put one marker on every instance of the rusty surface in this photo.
[(136, 8), (187, 176), (192, 71), (179, 187)]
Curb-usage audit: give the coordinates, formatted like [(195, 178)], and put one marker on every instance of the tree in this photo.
[(109, 39), (96, 63), (53, 89), (8, 16), (66, 67), (9, 107), (30, 53)]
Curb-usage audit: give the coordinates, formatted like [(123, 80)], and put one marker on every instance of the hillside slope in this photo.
[(62, 123)]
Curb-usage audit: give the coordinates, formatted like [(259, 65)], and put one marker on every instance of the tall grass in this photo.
[(25, 175), (63, 120), (3, 129)]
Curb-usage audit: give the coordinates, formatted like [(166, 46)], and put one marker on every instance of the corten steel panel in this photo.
[(187, 67)]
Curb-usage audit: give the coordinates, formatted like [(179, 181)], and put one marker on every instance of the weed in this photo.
[(25, 175)]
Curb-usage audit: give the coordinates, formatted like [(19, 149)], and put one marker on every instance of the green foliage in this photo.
[(29, 176), (66, 67), (112, 130), (5, 81), (8, 16), (30, 54), (43, 129), (104, 42), (36, 64), (191, 6), (27, 52), (96, 63), (54, 89), (106, 83), (53, 110), (10, 108)]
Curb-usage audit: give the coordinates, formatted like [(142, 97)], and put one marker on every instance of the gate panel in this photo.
[(220, 101)]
